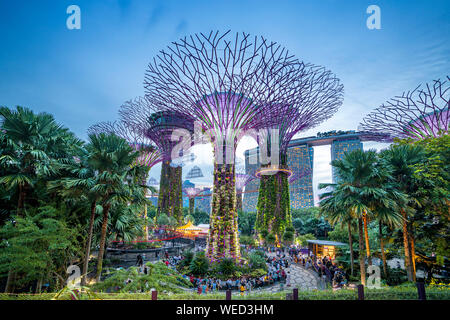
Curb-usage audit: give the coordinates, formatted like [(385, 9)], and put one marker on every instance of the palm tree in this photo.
[(80, 187), (402, 159), (360, 187), (112, 158), (335, 212), (34, 147)]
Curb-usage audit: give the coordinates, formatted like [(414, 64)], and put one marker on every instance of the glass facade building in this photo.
[(301, 157), (339, 148)]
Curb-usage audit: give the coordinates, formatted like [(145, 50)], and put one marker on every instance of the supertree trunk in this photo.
[(170, 197), (362, 263), (274, 209), (191, 206), (239, 201), (175, 190), (223, 240), (163, 197)]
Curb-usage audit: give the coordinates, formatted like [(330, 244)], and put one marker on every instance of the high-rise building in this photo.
[(203, 201), (300, 157), (339, 148)]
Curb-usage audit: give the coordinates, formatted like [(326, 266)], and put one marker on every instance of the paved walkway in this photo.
[(300, 278)]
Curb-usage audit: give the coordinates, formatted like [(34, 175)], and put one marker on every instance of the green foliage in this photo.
[(188, 256), (38, 245), (247, 240), (257, 261), (227, 266), (188, 218), (162, 220), (288, 236), (200, 217), (246, 222), (160, 278), (302, 239), (308, 220), (270, 239), (199, 265), (264, 233)]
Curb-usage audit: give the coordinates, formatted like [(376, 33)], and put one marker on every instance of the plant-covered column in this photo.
[(170, 193), (239, 201), (273, 208), (176, 194), (191, 206), (223, 240), (163, 196)]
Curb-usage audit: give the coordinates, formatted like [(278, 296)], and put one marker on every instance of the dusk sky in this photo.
[(83, 76)]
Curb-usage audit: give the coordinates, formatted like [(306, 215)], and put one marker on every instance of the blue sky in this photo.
[(83, 76)]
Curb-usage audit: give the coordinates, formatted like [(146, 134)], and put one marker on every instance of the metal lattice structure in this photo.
[(417, 114), (195, 172), (298, 175), (229, 83), (314, 96), (156, 125), (241, 180), (149, 155), (224, 81), (161, 126), (192, 193)]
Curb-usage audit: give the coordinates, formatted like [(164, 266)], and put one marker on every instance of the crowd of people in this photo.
[(276, 274), (277, 271)]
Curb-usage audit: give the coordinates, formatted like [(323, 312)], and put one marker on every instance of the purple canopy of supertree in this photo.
[(149, 155), (417, 114), (224, 81), (298, 175), (315, 96), (171, 132), (241, 180), (192, 192), (156, 125)]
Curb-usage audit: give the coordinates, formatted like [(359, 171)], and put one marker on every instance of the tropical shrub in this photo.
[(227, 266), (199, 265)]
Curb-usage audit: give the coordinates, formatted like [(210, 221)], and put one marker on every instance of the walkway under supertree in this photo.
[(315, 96), (158, 126), (241, 181), (192, 193), (224, 81), (148, 157), (417, 114)]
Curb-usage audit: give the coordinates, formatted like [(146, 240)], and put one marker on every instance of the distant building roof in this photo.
[(327, 243), (203, 226), (195, 172), (188, 184)]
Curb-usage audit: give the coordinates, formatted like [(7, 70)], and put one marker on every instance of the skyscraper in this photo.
[(301, 191), (301, 159), (340, 147)]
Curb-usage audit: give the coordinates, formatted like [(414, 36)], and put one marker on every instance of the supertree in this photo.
[(303, 172), (241, 181), (315, 96), (224, 81), (159, 126), (417, 114), (192, 193), (149, 155)]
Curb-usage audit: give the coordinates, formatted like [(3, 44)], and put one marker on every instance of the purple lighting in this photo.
[(417, 114)]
